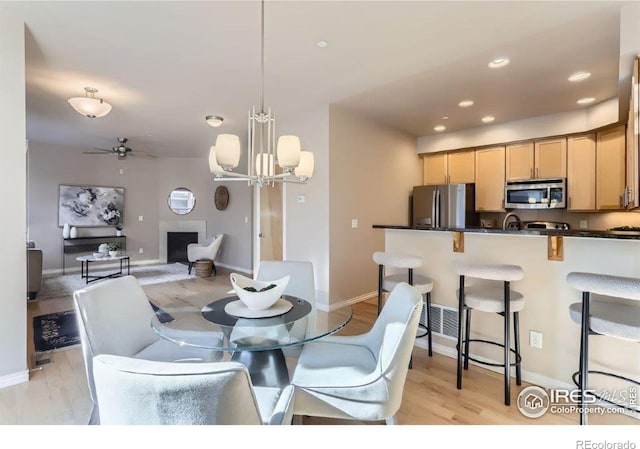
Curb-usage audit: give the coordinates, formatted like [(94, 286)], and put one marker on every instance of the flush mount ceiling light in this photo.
[(214, 120), (579, 76), (439, 128), (496, 63), (297, 165), (89, 105), (488, 119), (322, 44), (465, 103), (445, 118), (586, 100)]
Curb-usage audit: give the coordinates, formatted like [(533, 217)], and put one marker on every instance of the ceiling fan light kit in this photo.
[(297, 165), (90, 105)]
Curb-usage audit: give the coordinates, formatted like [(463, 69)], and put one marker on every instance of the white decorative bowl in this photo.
[(257, 300)]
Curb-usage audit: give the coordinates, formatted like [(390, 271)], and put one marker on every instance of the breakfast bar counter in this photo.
[(547, 294)]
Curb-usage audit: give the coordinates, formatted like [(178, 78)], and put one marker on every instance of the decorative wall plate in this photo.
[(221, 198)]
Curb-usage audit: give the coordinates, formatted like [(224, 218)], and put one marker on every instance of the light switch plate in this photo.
[(140, 218), (584, 224), (354, 222), (140, 250)]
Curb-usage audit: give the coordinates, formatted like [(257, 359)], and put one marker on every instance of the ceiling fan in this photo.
[(122, 151)]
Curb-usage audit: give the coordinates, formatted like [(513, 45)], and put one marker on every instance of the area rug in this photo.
[(59, 330), (56, 286), (55, 331)]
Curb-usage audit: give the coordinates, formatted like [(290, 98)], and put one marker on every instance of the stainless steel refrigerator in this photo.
[(445, 206)]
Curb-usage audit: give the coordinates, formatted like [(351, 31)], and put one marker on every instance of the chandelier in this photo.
[(263, 153), (90, 105)]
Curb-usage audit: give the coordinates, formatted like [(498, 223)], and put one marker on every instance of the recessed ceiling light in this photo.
[(586, 100), (322, 44), (499, 62), (439, 128), (445, 118), (579, 76), (488, 118), (465, 103)]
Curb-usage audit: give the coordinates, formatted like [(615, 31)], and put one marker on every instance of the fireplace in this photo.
[(177, 245)]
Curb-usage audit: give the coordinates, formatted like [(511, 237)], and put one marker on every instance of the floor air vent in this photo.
[(444, 321)]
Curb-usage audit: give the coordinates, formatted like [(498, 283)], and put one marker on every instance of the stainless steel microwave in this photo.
[(536, 194)]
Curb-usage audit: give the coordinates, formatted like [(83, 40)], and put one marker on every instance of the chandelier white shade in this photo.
[(262, 152), (89, 105), (213, 162), (304, 170)]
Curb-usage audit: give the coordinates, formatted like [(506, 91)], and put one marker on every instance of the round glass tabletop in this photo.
[(221, 325)]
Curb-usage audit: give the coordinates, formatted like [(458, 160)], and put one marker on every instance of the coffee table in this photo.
[(86, 260)]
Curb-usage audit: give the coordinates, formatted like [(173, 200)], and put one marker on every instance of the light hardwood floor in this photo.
[(58, 394)]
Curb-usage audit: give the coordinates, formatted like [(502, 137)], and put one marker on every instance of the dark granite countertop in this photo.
[(628, 235)]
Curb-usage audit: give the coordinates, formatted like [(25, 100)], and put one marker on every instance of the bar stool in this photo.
[(500, 299), (386, 283), (599, 316)]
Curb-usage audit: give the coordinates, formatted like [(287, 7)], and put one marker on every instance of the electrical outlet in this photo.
[(535, 339), (354, 222), (140, 250), (140, 218), (246, 219), (122, 171), (583, 224)]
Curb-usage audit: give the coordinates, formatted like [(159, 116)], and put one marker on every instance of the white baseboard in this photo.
[(347, 302), (109, 265), (234, 268), (14, 378), (527, 376)]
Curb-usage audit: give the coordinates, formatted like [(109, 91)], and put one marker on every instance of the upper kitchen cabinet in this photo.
[(540, 160), (449, 168), (435, 169), (610, 168), (519, 161), (490, 179), (581, 172), (551, 158)]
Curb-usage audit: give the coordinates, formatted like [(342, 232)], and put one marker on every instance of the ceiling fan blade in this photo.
[(96, 152), (143, 155)]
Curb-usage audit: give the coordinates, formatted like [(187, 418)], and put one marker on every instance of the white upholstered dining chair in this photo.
[(114, 317), (134, 391), (361, 377), (301, 284)]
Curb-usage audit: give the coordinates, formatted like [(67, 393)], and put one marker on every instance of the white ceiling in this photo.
[(165, 65)]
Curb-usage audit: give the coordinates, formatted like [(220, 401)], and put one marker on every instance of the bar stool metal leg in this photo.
[(380, 276), (429, 322), (507, 345), (516, 338), (460, 312), (584, 355), (467, 337)]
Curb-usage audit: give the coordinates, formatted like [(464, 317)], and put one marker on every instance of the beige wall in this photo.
[(13, 273), (147, 184), (306, 225), (373, 171)]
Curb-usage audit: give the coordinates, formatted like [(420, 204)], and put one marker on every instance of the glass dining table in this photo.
[(256, 342)]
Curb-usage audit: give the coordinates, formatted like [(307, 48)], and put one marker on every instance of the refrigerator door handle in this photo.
[(433, 209), (438, 224)]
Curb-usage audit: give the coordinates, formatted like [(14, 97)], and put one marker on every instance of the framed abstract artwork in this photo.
[(90, 206)]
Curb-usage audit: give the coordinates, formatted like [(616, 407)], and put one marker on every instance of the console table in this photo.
[(83, 245)]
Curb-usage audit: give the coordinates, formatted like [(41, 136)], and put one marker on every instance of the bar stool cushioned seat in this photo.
[(388, 282), (492, 298), (606, 309)]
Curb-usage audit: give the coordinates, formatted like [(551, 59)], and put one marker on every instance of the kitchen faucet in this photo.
[(506, 219)]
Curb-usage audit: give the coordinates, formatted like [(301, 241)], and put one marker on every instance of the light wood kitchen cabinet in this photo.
[(610, 168), (519, 161), (435, 169), (537, 160), (581, 172), (490, 178), (449, 168), (551, 158)]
